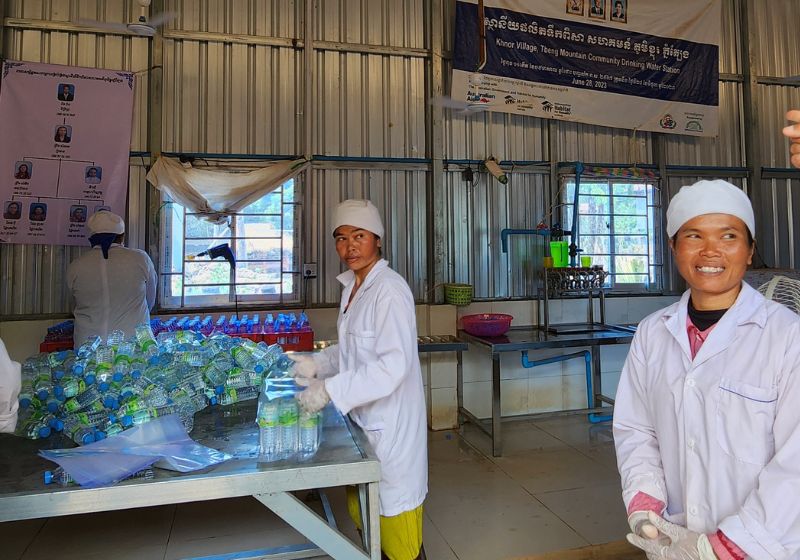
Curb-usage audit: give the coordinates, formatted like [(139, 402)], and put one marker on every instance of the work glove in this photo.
[(793, 133), (304, 367), (314, 397), (683, 543)]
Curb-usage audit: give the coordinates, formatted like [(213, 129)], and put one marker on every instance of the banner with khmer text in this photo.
[(639, 64)]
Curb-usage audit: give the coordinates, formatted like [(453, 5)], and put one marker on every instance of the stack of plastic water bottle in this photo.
[(285, 430), (105, 387)]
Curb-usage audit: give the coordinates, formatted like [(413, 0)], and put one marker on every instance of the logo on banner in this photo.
[(547, 106), (667, 122), (694, 126)]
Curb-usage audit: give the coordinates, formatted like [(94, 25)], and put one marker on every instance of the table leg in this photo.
[(596, 377), (497, 444), (374, 522), (313, 527), (459, 387)]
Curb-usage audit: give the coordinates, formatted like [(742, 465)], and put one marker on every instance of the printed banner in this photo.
[(640, 64), (65, 149)]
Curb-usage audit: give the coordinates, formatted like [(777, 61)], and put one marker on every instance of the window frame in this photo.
[(181, 301), (653, 279)]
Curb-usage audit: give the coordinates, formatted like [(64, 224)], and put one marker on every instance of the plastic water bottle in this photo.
[(243, 358), (43, 385), (232, 395), (268, 429), (309, 432), (33, 425), (242, 378), (123, 358), (89, 347), (155, 395), (26, 394), (146, 341), (287, 421), (115, 338), (72, 386), (83, 400), (193, 358)]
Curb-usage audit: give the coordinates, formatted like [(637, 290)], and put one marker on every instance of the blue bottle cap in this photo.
[(58, 374), (44, 431), (104, 386), (136, 374), (24, 402), (117, 377), (112, 417), (52, 406), (87, 438), (42, 394), (57, 424), (110, 402), (219, 389), (154, 360), (48, 477), (212, 401), (58, 391), (126, 421), (99, 435), (258, 368), (90, 379)]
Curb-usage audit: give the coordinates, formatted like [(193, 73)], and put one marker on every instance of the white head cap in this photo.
[(709, 197), (360, 214), (105, 222)]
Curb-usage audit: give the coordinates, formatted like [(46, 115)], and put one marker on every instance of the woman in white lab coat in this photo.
[(707, 420), (374, 375), (10, 384)]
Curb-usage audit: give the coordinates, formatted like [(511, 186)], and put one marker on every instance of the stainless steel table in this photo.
[(344, 458), (531, 338)]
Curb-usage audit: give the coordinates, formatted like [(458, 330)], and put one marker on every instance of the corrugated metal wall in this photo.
[(234, 82)]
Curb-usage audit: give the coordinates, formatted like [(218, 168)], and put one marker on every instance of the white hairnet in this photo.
[(105, 222), (360, 214), (709, 197)]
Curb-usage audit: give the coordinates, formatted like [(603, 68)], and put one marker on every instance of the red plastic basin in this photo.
[(487, 324)]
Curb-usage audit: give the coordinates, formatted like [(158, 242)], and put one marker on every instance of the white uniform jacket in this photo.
[(717, 438), (112, 294), (378, 381), (10, 384)]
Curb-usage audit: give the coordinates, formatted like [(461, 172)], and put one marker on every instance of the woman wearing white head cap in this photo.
[(374, 375), (706, 420), (113, 287)]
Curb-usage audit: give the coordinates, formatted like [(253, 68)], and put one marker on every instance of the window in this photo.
[(263, 241), (619, 227)]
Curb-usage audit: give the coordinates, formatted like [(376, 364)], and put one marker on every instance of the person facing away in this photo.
[(113, 287), (706, 421), (373, 374)]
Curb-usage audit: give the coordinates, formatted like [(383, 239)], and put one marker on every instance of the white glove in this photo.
[(314, 397), (683, 543), (793, 133), (303, 367)]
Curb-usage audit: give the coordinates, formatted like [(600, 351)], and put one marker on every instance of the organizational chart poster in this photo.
[(63, 151)]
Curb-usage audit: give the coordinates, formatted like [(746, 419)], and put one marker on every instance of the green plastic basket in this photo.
[(458, 294)]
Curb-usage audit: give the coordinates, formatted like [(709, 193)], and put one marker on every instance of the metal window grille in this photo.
[(264, 238), (619, 227)]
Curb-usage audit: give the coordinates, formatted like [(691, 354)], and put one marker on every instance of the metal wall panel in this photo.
[(599, 144), (775, 26), (725, 150), (231, 98), (396, 23), (784, 217), (476, 214), (266, 18), (400, 198), (369, 105), (506, 137), (730, 52), (771, 105)]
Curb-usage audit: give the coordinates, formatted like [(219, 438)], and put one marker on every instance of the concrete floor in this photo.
[(555, 488)]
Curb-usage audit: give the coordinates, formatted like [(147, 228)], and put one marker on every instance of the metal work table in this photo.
[(344, 458), (531, 338)]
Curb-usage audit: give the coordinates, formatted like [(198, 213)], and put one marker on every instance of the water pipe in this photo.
[(504, 233), (573, 246), (594, 418)]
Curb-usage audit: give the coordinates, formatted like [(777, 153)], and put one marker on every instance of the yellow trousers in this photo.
[(401, 535)]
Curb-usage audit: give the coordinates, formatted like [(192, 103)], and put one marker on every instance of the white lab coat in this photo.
[(378, 381), (112, 294), (10, 385), (717, 438)]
